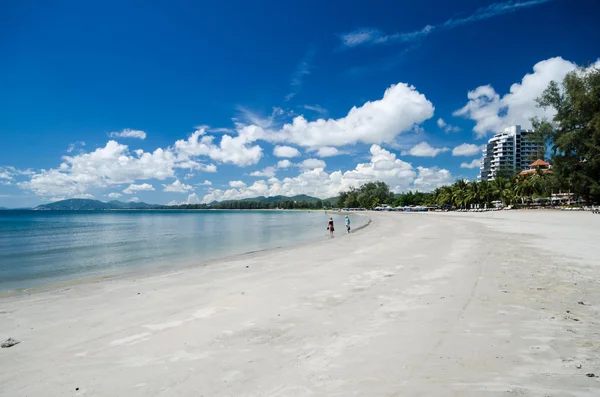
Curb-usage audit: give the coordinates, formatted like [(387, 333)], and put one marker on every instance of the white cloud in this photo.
[(129, 133), (109, 165), (492, 112), (284, 164), (72, 146), (310, 164), (401, 107), (134, 200), (144, 187), (286, 151), (177, 187), (234, 150), (376, 37), (205, 183), (360, 36), (6, 174), (191, 199), (266, 172), (327, 151), (237, 184), (316, 108), (473, 164), (383, 166), (447, 127), (424, 149), (303, 69), (114, 195), (466, 149), (431, 178)]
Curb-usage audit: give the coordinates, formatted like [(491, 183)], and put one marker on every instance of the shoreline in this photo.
[(429, 304), (165, 269)]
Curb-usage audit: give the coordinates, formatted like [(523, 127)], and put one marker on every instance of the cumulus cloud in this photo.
[(447, 127), (473, 164), (466, 149), (431, 178), (128, 133), (237, 184), (400, 109), (191, 199), (383, 166), (6, 174), (144, 187), (327, 151), (134, 200), (286, 151), (205, 183), (177, 187), (284, 164), (266, 172), (310, 164), (424, 149), (234, 150), (114, 195), (112, 164), (493, 112)]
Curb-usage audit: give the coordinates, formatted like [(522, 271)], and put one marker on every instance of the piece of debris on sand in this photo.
[(10, 342)]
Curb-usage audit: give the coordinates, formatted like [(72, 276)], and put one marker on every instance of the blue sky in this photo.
[(347, 90)]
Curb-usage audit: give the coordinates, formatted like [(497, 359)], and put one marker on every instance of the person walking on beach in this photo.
[(330, 227), (347, 224)]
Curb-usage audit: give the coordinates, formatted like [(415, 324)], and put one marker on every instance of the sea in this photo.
[(41, 249)]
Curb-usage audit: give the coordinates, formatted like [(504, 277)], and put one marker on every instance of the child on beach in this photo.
[(347, 224), (330, 227)]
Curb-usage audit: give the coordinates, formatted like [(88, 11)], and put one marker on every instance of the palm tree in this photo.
[(503, 190), (485, 192), (523, 189), (459, 190), (472, 193), (445, 195)]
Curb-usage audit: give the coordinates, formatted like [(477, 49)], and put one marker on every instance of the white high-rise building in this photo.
[(508, 150)]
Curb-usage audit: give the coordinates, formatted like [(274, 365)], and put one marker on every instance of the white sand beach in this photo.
[(484, 304)]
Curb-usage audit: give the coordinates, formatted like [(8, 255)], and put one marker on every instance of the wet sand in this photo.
[(453, 304)]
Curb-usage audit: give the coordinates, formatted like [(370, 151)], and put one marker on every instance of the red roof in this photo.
[(539, 163), (527, 172)]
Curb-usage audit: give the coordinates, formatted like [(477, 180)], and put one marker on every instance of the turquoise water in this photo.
[(42, 248)]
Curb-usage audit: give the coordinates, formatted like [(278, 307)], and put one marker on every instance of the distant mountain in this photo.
[(3, 208), (86, 204), (132, 206)]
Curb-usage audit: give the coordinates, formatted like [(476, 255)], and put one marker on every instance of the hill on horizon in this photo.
[(89, 205), (92, 205)]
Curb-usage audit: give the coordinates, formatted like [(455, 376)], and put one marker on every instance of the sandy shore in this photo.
[(414, 305)]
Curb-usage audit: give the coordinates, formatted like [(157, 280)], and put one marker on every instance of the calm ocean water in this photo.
[(40, 248)]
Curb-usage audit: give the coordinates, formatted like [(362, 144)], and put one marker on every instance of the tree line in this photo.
[(572, 135), (573, 139), (255, 205)]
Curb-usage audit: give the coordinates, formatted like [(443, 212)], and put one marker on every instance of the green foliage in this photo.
[(574, 132), (257, 205), (368, 195)]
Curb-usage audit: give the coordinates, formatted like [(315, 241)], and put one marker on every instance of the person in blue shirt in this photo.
[(347, 224)]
